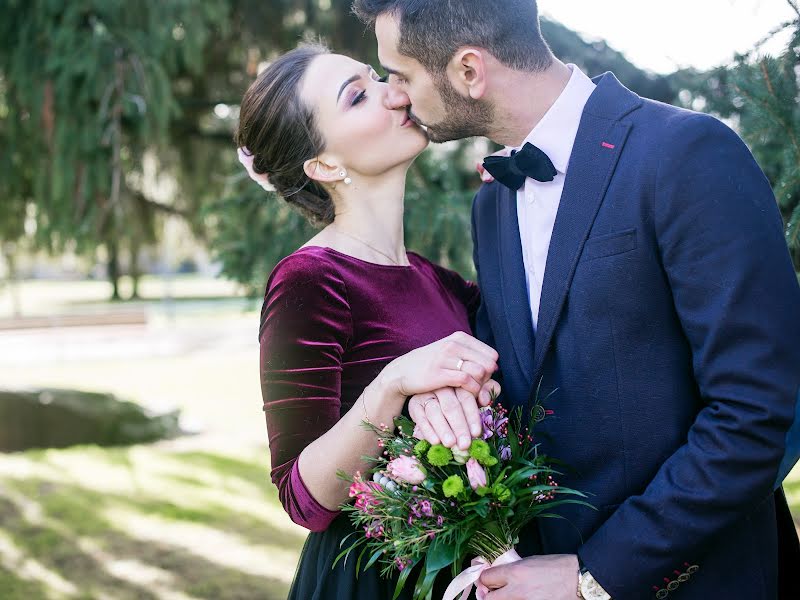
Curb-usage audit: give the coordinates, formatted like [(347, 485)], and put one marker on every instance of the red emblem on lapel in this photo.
[(607, 145)]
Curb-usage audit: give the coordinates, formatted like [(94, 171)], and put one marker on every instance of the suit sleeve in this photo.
[(305, 328), (720, 239)]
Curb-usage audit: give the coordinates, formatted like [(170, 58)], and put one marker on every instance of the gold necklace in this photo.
[(370, 246)]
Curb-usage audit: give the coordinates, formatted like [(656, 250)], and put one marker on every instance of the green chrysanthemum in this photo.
[(421, 447), (501, 492), (439, 455), (480, 451), (452, 486)]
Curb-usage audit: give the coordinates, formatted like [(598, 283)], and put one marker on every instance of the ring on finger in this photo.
[(428, 401), (460, 364)]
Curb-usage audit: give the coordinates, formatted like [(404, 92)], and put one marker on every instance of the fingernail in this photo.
[(463, 441), (476, 431), (448, 440)]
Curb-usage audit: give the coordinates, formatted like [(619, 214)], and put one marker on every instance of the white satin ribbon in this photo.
[(468, 577)]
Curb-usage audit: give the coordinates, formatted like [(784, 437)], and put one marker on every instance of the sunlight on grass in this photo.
[(14, 560), (146, 522)]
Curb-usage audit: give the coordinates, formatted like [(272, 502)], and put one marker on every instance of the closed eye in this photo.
[(361, 96)]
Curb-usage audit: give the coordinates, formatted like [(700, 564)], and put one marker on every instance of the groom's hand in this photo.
[(450, 416), (549, 577)]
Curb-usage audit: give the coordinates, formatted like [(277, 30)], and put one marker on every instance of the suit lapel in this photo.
[(515, 294), (598, 145)]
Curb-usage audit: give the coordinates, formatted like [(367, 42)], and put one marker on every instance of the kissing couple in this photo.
[(631, 267)]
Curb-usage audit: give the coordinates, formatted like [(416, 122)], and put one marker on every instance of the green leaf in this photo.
[(440, 554), (373, 558), (401, 581)]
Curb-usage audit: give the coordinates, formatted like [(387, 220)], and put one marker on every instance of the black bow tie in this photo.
[(512, 170)]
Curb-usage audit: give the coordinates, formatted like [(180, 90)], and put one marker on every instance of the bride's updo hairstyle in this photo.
[(280, 132)]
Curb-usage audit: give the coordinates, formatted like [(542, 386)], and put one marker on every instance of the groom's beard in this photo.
[(465, 117)]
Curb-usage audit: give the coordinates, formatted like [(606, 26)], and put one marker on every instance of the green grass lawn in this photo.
[(146, 522)]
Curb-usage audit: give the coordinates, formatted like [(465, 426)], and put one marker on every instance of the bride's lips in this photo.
[(407, 121)]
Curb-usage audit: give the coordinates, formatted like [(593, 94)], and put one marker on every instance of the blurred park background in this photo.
[(134, 251)]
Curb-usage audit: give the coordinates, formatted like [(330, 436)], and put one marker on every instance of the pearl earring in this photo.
[(347, 180)]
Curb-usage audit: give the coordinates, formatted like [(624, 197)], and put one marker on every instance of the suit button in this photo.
[(661, 594), (693, 569)]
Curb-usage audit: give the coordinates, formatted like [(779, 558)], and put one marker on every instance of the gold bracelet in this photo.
[(364, 405)]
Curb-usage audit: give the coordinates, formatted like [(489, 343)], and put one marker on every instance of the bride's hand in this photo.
[(451, 415), (458, 361)]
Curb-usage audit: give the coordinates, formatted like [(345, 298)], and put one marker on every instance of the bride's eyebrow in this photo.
[(350, 80)]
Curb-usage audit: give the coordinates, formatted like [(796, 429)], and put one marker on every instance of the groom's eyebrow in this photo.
[(392, 71)]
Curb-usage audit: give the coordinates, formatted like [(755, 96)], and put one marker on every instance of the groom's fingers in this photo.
[(416, 409), (469, 407), (496, 577), (453, 413)]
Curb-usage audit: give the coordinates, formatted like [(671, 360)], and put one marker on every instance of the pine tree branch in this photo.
[(157, 206)]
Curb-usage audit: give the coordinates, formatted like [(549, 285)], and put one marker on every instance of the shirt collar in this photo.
[(555, 133)]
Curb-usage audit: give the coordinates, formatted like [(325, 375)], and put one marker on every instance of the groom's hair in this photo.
[(431, 31)]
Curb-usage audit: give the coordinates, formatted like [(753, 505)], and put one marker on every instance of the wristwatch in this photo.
[(588, 588)]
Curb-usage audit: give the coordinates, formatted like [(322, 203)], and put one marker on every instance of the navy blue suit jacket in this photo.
[(668, 342)]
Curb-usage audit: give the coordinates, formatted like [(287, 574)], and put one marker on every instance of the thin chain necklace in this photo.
[(368, 245)]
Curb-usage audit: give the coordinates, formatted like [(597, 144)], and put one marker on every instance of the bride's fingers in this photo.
[(465, 381), (474, 344), (476, 371), (454, 413), (489, 389)]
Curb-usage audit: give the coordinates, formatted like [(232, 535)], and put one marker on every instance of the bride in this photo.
[(352, 324)]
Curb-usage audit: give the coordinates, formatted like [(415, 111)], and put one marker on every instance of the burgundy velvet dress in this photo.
[(329, 324)]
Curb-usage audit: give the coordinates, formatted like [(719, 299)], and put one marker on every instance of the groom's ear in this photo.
[(467, 72)]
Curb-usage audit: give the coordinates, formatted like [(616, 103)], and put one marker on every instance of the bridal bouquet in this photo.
[(437, 506)]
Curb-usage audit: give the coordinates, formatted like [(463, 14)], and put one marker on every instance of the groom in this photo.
[(632, 261)]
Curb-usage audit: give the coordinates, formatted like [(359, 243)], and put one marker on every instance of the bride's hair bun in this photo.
[(280, 132)]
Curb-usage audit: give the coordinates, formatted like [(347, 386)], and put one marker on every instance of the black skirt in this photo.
[(316, 580)]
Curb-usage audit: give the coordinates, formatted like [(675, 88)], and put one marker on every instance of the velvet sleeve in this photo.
[(305, 328)]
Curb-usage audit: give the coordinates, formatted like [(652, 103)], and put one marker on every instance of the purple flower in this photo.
[(505, 452), (487, 420)]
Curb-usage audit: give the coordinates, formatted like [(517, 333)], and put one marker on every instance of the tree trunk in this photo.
[(135, 272), (113, 270)]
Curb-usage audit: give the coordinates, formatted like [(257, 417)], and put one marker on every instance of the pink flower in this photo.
[(362, 491), (246, 158), (406, 468), (475, 474)]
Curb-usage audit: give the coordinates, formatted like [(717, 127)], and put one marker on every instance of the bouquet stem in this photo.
[(491, 542)]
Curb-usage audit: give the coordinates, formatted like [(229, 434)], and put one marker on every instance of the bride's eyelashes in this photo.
[(362, 95), (359, 97)]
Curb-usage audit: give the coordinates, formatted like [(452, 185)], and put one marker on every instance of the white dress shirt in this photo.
[(537, 202)]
